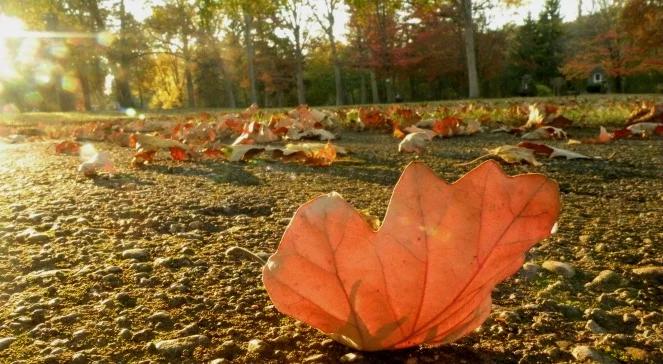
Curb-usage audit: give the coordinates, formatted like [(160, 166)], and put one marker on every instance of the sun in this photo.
[(11, 27)]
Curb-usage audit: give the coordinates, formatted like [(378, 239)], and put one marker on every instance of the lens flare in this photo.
[(42, 73), (105, 39), (58, 50), (130, 112), (69, 83), (27, 51)]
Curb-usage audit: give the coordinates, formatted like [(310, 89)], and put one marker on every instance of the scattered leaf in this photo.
[(552, 152), (426, 276), (97, 162), (414, 143), (545, 133), (68, 147)]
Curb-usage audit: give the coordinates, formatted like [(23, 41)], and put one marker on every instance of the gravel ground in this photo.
[(133, 268)]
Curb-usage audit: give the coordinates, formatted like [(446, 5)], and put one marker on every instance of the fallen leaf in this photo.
[(647, 113), (413, 129), (213, 153), (426, 276), (243, 152), (150, 142), (317, 134), (178, 154), (552, 152), (414, 143), (67, 147), (315, 154), (448, 126), (545, 133), (256, 133), (644, 129), (142, 157), (98, 161)]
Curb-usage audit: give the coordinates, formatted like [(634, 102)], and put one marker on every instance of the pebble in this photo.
[(219, 361), (351, 358), (125, 334), (561, 268), (595, 327), (585, 353), (530, 270), (136, 254), (142, 335), (175, 347), (649, 273), (125, 299), (256, 346), (79, 358), (317, 358), (38, 238), (6, 341), (229, 349), (160, 317), (606, 281)]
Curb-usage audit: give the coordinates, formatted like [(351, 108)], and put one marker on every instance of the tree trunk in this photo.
[(85, 89), (470, 51), (374, 88), (227, 84), (363, 95), (189, 85), (301, 95), (299, 68), (337, 70), (389, 88), (250, 55)]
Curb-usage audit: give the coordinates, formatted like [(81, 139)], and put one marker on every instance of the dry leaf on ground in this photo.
[(426, 276)]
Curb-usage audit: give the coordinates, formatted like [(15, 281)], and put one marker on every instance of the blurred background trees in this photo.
[(102, 55)]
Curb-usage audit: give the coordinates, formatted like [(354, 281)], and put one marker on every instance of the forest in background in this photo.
[(232, 53)]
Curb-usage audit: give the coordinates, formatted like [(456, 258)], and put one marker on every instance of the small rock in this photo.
[(38, 238), (175, 347), (606, 281), (649, 273), (530, 270), (79, 358), (585, 353), (256, 346), (594, 327), (160, 317), (219, 361), (125, 334), (136, 254), (6, 341), (317, 358), (125, 299), (561, 268), (351, 358), (143, 335), (189, 330), (637, 354), (228, 349)]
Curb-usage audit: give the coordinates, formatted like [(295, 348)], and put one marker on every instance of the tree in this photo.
[(548, 49), (470, 50), (327, 21), (172, 28), (292, 20)]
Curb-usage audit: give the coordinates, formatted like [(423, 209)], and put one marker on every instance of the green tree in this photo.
[(548, 51)]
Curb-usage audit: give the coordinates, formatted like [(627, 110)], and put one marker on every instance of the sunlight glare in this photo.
[(10, 27)]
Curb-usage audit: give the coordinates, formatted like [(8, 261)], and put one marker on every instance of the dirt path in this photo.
[(133, 268)]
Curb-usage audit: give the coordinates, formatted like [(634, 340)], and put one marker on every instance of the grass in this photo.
[(585, 110)]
